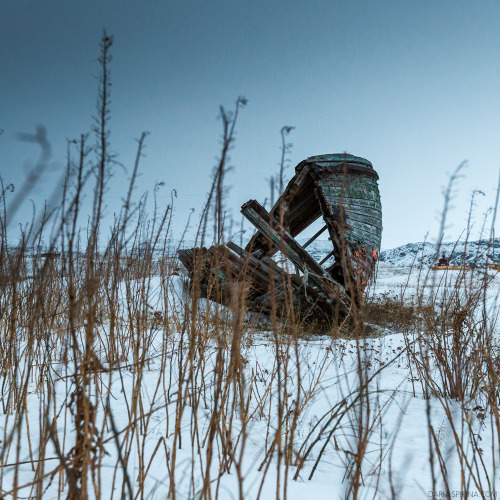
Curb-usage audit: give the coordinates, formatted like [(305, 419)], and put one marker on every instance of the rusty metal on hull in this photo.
[(341, 189)]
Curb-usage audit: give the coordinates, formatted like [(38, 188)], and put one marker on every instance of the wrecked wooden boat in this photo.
[(450, 267), (341, 191)]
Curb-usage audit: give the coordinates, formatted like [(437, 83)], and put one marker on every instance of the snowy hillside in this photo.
[(476, 252)]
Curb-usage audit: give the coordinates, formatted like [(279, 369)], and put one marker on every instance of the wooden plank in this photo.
[(353, 193), (255, 267), (354, 203), (363, 219), (327, 257), (269, 227), (367, 240), (302, 208), (291, 190), (295, 186), (277, 270), (257, 263), (310, 240), (359, 210), (303, 213), (343, 183), (367, 228), (349, 215)]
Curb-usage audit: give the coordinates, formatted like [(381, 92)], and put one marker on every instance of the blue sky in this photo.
[(413, 86)]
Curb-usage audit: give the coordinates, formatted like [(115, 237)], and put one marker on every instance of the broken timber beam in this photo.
[(315, 236), (278, 236)]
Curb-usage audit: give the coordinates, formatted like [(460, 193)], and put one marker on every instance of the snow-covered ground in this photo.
[(394, 421)]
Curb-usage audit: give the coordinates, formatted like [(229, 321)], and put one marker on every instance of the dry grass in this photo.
[(389, 312)]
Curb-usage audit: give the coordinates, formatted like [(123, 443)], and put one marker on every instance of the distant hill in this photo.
[(477, 252)]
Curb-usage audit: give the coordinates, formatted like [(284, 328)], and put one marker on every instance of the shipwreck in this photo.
[(340, 189)]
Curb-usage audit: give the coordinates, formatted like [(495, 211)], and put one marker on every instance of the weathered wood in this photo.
[(341, 188), (367, 228), (291, 191), (356, 204), (270, 228), (358, 237), (313, 238), (351, 194), (363, 219), (331, 254)]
